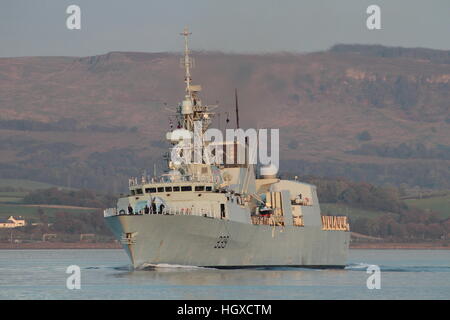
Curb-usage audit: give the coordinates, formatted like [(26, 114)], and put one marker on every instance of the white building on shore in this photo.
[(12, 222)]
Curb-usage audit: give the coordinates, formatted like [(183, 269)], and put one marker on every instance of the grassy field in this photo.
[(24, 184), (32, 212), (19, 194), (12, 200), (351, 212), (439, 205), (12, 197), (11, 205)]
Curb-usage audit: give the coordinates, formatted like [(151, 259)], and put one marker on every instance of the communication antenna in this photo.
[(237, 108), (187, 62)]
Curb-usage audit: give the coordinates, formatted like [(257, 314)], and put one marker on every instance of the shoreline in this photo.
[(115, 245), (400, 245), (59, 245)]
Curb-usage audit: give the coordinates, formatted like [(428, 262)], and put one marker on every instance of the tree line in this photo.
[(67, 226), (404, 151), (80, 198), (62, 125), (433, 55)]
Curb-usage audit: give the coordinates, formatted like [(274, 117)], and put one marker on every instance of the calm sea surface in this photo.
[(105, 274)]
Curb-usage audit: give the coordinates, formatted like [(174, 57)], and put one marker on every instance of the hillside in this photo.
[(368, 113)]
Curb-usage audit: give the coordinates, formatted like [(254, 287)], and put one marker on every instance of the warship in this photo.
[(223, 214)]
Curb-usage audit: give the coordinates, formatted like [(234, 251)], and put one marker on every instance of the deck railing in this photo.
[(133, 182), (298, 221), (335, 223), (274, 220), (328, 222), (270, 220), (192, 212), (171, 211)]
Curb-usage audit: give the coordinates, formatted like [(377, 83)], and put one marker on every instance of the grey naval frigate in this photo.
[(223, 215)]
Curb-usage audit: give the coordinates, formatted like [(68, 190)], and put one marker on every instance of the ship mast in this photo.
[(187, 62), (191, 108)]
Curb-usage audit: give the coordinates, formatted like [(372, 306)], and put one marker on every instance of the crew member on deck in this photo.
[(130, 209), (153, 207)]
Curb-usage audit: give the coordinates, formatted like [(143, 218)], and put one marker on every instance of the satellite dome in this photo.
[(178, 135)]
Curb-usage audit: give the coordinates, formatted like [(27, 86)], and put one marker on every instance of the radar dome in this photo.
[(178, 135)]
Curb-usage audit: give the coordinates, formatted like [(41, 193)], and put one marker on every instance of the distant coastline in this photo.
[(115, 245), (401, 245)]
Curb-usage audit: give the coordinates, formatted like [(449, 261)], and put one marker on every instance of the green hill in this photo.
[(340, 209), (24, 184), (439, 205), (367, 113)]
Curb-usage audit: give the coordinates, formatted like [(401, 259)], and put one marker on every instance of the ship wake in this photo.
[(385, 268), (167, 266)]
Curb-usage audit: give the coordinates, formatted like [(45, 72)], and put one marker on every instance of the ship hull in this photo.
[(207, 242)]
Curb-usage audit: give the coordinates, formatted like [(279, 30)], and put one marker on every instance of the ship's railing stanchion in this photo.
[(335, 223), (298, 221)]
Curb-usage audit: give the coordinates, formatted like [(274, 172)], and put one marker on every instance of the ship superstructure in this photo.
[(221, 213)]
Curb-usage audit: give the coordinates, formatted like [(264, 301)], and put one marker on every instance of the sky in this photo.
[(38, 28)]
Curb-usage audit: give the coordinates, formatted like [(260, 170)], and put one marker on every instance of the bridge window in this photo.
[(150, 190), (139, 191), (208, 188), (186, 188), (161, 189), (176, 188), (133, 192), (199, 188), (168, 189)]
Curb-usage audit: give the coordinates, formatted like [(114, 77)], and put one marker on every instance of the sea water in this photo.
[(106, 274)]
